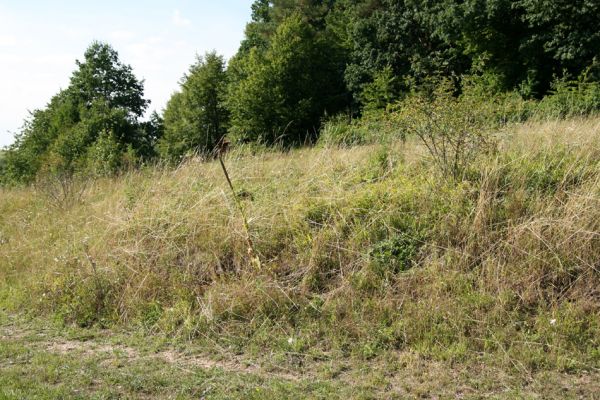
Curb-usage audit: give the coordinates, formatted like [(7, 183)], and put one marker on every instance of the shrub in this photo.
[(570, 98), (61, 189), (104, 157), (455, 130)]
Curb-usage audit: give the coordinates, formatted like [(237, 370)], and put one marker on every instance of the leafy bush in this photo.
[(570, 98), (104, 157), (455, 130)]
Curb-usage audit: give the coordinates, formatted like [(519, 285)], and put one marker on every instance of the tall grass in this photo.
[(363, 250)]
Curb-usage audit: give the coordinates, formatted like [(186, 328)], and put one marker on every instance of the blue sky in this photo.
[(40, 41)]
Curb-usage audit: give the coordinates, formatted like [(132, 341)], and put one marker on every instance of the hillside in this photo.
[(366, 254)]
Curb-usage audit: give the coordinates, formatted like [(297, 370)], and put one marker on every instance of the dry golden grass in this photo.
[(505, 263)]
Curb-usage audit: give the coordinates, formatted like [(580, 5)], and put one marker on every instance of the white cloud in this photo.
[(180, 20)]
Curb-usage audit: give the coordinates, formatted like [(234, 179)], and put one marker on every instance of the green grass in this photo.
[(379, 275), (50, 363), (46, 361)]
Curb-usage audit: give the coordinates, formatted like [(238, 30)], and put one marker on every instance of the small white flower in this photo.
[(290, 340), (553, 321)]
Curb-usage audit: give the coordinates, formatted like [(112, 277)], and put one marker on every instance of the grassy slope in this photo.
[(371, 261)]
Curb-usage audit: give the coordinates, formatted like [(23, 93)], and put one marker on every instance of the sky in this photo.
[(40, 41)]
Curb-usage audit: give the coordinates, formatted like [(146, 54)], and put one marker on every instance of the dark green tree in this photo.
[(32, 144), (152, 131), (267, 15), (415, 39), (259, 29), (563, 36), (195, 118), (2, 164), (107, 89), (101, 76), (280, 94), (492, 34)]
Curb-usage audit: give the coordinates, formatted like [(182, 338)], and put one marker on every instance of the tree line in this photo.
[(301, 62)]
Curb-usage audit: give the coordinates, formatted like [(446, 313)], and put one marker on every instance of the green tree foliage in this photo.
[(152, 131), (567, 32), (524, 44), (381, 91), (33, 143), (259, 28), (384, 49), (195, 118), (414, 38), (103, 78), (2, 164), (303, 60), (103, 100), (492, 32), (280, 94), (267, 15), (527, 43)]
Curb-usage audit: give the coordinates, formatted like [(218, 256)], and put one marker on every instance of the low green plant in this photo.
[(454, 129), (570, 98), (395, 254)]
